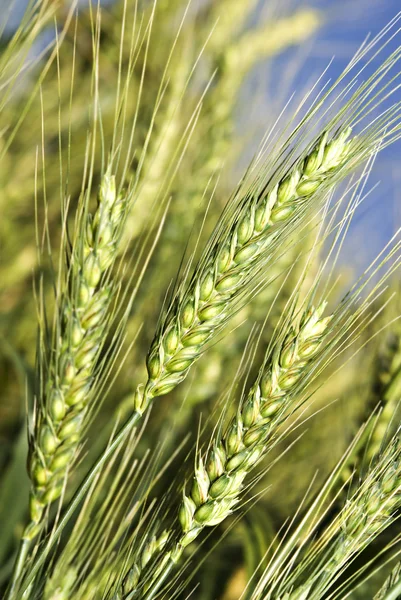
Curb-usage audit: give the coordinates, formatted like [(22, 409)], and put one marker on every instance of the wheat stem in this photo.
[(21, 557)]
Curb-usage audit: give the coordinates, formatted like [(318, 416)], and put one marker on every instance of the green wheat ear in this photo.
[(82, 321), (219, 477), (230, 264)]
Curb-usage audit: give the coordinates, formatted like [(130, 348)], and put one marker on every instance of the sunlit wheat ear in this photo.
[(82, 325), (229, 264)]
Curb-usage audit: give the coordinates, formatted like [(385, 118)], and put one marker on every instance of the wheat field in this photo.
[(200, 382)]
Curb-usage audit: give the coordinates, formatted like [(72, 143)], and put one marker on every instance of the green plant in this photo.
[(146, 443)]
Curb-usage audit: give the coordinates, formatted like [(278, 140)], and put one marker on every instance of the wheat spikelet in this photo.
[(153, 546), (390, 584), (82, 322)]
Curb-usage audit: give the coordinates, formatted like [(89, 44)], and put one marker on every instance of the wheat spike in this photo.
[(372, 508), (219, 477), (229, 265), (82, 319)]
